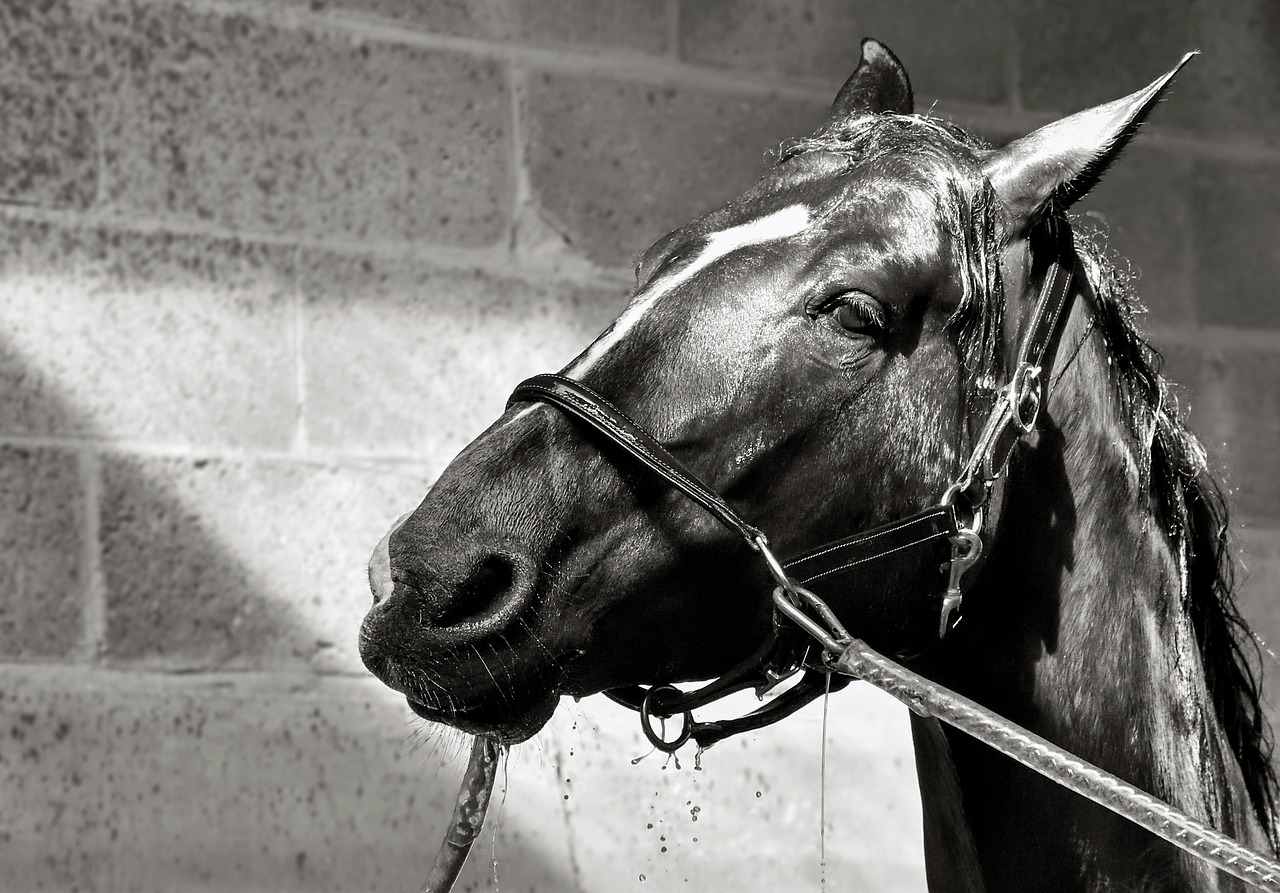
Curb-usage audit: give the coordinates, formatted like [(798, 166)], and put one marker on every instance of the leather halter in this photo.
[(948, 535)]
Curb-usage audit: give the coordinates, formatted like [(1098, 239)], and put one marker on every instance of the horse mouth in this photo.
[(507, 720), (504, 695)]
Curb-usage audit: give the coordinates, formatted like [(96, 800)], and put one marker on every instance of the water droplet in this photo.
[(566, 796)]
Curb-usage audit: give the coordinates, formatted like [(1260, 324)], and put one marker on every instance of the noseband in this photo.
[(947, 535)]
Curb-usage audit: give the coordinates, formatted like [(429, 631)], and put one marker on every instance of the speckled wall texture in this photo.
[(267, 264)]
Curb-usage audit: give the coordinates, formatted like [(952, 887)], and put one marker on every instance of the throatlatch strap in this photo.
[(584, 403)]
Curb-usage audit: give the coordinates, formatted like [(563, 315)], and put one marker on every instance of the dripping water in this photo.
[(636, 760), (822, 789), (497, 820)]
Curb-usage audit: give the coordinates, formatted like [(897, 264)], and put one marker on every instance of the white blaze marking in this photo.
[(380, 562), (779, 225)]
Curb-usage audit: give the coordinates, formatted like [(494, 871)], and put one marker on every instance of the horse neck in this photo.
[(1076, 629)]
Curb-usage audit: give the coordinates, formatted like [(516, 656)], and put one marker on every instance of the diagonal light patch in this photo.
[(780, 224)]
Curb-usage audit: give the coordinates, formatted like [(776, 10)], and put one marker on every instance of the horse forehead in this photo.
[(772, 226)]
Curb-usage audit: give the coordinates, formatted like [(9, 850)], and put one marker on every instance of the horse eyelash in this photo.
[(871, 311)]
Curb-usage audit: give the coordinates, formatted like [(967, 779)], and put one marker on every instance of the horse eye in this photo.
[(861, 315)]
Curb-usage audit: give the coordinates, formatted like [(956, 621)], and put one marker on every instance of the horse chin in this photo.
[(510, 722)]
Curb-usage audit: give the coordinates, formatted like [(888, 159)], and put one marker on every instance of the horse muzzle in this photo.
[(447, 630)]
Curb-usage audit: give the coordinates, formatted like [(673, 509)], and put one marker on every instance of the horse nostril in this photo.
[(485, 586)]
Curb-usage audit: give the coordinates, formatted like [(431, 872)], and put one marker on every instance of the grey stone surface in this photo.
[(591, 25), (226, 119), (954, 50), (42, 569), (161, 338), (1236, 214), (254, 564), (411, 360), (136, 782), (46, 106), (616, 165)]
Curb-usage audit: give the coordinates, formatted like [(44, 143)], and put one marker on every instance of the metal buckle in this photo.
[(976, 512), (1024, 396)]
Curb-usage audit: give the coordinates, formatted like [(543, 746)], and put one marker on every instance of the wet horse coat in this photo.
[(817, 350)]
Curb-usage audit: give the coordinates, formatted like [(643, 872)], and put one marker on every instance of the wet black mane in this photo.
[(1190, 504), (1186, 498)]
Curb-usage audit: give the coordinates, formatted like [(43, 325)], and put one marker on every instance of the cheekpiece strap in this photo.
[(1018, 404)]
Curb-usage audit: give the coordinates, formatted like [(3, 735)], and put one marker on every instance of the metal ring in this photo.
[(1025, 396), (976, 512), (646, 722)]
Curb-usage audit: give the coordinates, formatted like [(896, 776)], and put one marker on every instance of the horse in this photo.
[(821, 351)]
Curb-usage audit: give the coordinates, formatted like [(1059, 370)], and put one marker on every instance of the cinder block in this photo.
[(46, 106), (952, 50), (590, 24), (1236, 209), (617, 165), (223, 118), (1081, 54), (125, 781), (159, 337), (1142, 206), (1242, 392), (42, 573), (409, 360), (1235, 86), (244, 564)]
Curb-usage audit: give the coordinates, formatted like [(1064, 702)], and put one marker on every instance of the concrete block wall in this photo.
[(266, 265)]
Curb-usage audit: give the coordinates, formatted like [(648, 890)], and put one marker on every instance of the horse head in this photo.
[(813, 351)]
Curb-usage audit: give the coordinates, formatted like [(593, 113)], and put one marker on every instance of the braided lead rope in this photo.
[(930, 699)]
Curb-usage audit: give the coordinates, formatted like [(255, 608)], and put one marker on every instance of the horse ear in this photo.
[(878, 84), (1061, 162)]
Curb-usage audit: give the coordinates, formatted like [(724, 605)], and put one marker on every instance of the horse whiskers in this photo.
[(537, 640), (497, 685)]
